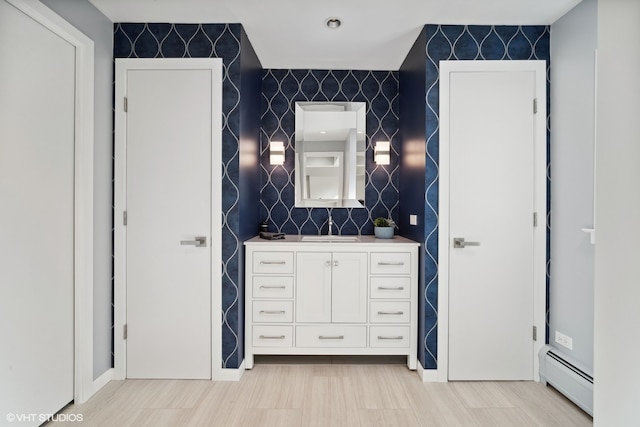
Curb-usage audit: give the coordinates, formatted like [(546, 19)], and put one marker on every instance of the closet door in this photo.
[(37, 105), (169, 136), (495, 140)]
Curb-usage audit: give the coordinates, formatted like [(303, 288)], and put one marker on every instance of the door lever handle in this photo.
[(198, 242), (459, 243)]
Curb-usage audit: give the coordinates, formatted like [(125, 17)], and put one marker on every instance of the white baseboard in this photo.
[(81, 396), (221, 375), (228, 374), (429, 375), (100, 382)]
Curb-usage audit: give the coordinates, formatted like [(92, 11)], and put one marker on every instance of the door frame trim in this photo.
[(84, 384), (540, 202), (120, 197)]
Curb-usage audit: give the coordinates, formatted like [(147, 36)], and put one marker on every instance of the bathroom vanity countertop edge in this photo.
[(362, 240)]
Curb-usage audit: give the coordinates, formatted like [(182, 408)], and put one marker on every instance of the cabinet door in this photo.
[(349, 288), (313, 287)]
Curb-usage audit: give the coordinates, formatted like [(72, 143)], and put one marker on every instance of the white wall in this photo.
[(84, 16), (573, 45), (617, 252)]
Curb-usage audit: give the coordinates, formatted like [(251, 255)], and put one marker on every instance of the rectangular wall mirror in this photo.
[(330, 154)]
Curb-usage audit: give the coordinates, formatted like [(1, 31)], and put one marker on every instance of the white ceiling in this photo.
[(375, 34)]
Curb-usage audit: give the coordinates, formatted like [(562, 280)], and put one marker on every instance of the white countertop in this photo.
[(361, 240)]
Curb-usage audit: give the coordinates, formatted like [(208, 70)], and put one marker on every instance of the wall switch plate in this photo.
[(564, 340), (413, 219)]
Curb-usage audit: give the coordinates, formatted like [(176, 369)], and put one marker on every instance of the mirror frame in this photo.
[(342, 166)]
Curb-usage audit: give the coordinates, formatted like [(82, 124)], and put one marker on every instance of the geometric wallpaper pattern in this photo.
[(160, 40), (465, 42), (280, 91)]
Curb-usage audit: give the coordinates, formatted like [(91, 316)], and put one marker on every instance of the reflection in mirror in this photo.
[(330, 154)]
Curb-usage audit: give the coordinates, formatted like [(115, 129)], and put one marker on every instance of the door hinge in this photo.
[(124, 218), (535, 219), (535, 333), (126, 104), (535, 105), (124, 332)]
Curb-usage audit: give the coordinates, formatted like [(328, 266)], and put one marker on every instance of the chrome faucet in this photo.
[(330, 232)]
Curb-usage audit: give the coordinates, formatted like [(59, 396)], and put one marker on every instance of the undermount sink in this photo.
[(330, 239)]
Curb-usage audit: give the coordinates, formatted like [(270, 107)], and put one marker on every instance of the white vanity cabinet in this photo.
[(331, 287), (331, 298)]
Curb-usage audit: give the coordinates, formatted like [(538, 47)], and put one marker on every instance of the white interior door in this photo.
[(37, 107), (491, 206), (168, 233)]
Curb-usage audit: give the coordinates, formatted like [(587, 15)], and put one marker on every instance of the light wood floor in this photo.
[(326, 394)]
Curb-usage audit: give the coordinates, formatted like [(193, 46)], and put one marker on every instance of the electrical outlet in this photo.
[(413, 219), (564, 340)]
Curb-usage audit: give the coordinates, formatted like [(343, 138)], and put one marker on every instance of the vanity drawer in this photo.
[(272, 336), (331, 336), (390, 312), (273, 287), (273, 311), (273, 262), (389, 336), (391, 263), (390, 287)]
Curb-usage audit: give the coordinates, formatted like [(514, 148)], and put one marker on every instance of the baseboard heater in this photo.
[(567, 376)]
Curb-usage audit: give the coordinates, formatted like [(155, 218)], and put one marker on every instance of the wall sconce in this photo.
[(276, 152), (381, 153)]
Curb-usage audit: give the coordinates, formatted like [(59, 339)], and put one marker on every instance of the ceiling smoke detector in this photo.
[(333, 23)]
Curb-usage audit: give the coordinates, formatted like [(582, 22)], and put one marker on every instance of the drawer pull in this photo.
[(272, 311), (391, 288), (330, 337), (390, 313), (273, 262), (381, 337), (272, 337), (391, 263), (272, 287)]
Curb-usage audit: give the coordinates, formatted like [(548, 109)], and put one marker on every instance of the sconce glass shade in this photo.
[(381, 153), (276, 152)]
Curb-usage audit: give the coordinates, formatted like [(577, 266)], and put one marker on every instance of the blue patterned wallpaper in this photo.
[(249, 172), (465, 42), (280, 90), (412, 165), (160, 40)]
